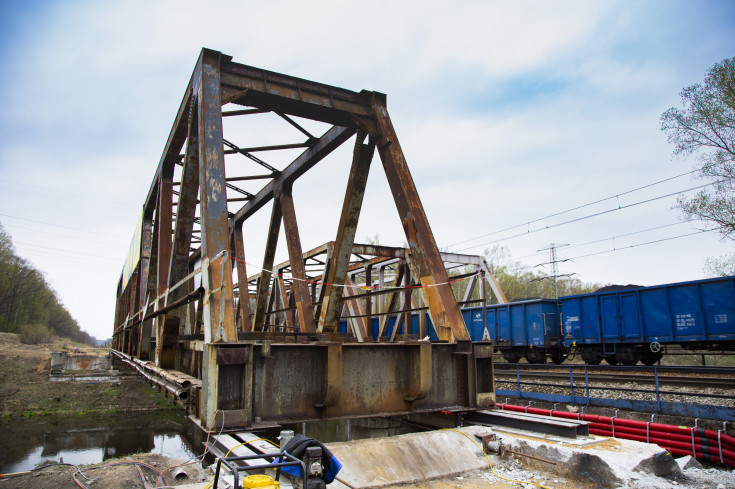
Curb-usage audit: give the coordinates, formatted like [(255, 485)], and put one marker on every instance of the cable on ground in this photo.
[(488, 460)]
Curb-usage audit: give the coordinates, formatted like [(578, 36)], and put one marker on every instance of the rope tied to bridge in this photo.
[(363, 287)]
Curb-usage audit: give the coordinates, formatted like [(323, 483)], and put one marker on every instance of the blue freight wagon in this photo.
[(627, 326), (528, 329)]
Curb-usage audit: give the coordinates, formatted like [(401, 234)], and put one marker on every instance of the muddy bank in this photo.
[(26, 391), (119, 473)]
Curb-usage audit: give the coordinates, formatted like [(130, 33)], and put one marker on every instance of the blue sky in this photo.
[(506, 111)]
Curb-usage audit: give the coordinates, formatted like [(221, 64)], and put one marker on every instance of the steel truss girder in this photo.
[(354, 288), (163, 274)]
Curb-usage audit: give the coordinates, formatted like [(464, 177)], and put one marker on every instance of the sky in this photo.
[(507, 113)]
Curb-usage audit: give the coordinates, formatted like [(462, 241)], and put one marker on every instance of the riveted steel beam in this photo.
[(165, 344), (443, 307), (362, 156), (246, 320), (186, 209), (218, 304), (329, 141), (247, 85), (264, 281), (298, 272)]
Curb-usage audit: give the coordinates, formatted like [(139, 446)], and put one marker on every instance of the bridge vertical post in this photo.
[(219, 313), (165, 357), (219, 321), (295, 254), (266, 274), (178, 257), (238, 249), (356, 183), (147, 326), (146, 287)]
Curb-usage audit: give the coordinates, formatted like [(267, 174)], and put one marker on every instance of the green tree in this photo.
[(520, 282), (705, 127), (28, 305)]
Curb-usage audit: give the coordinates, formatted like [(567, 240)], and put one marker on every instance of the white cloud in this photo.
[(506, 112)]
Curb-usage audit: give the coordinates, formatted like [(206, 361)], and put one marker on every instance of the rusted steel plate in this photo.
[(233, 356), (287, 94), (377, 379)]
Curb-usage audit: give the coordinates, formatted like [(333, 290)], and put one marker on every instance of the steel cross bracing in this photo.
[(289, 343)]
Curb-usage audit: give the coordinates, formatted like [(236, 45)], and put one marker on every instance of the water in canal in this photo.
[(82, 440), (92, 439)]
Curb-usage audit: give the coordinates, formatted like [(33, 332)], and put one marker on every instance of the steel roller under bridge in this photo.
[(330, 332)]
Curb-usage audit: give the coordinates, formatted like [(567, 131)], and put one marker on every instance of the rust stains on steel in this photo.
[(316, 336)]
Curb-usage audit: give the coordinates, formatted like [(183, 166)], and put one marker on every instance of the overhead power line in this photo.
[(81, 254), (642, 244), (596, 214), (49, 233), (60, 226), (63, 194), (574, 208), (633, 233), (671, 238)]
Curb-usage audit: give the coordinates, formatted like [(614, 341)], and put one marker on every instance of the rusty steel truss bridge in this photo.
[(343, 330)]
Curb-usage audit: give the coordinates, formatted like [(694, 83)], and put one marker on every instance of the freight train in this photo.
[(618, 326)]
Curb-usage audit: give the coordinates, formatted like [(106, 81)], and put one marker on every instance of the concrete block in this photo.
[(605, 462), (688, 462), (408, 459), (661, 464)]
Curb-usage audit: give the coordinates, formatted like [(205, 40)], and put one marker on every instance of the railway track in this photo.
[(691, 377)]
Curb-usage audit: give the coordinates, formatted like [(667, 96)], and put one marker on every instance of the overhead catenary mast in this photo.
[(554, 263)]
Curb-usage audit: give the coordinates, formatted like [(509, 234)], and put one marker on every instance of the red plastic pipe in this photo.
[(660, 434), (710, 453), (675, 439), (665, 428)]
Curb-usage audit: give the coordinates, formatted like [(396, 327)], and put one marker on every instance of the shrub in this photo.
[(35, 334)]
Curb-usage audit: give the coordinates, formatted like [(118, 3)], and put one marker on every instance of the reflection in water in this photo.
[(86, 440)]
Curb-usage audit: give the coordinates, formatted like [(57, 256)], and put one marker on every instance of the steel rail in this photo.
[(728, 382)]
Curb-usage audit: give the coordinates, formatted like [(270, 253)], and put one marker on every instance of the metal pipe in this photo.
[(508, 450), (178, 391), (163, 373)]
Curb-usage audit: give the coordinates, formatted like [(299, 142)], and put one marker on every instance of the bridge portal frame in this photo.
[(162, 315)]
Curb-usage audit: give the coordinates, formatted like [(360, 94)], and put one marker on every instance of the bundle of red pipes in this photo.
[(707, 445)]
